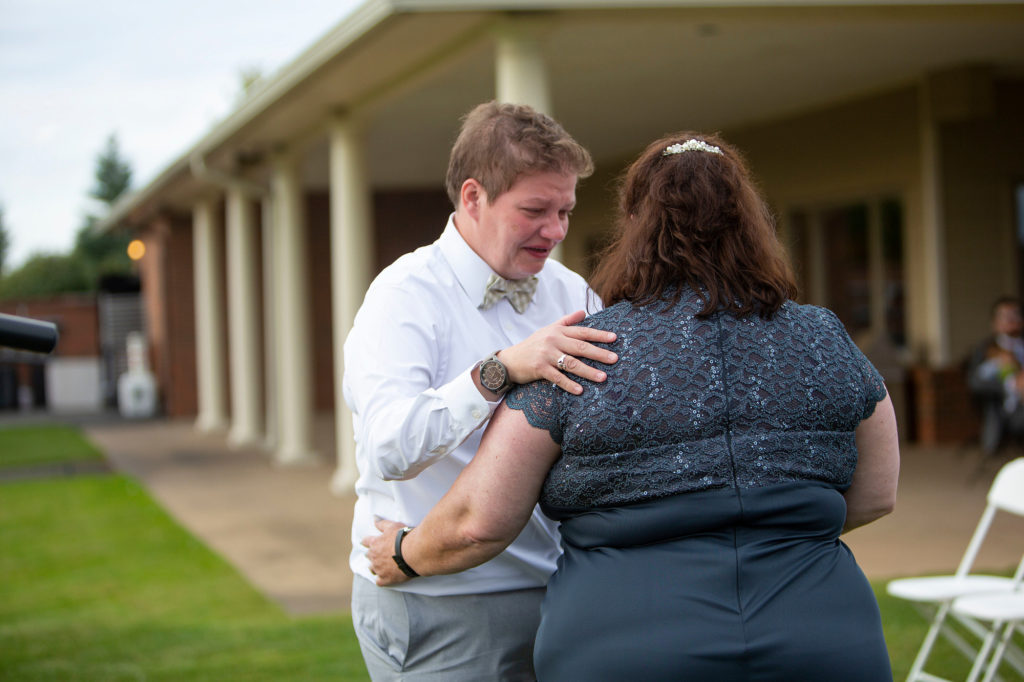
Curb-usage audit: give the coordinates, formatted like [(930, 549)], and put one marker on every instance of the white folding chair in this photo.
[(1005, 611), (938, 592)]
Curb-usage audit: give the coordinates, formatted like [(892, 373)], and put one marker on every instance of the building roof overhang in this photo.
[(621, 73)]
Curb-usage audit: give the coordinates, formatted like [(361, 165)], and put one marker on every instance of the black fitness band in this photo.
[(405, 568)]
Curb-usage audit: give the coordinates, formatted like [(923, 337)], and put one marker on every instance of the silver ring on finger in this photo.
[(561, 362)]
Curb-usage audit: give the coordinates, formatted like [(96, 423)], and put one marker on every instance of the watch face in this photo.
[(493, 375)]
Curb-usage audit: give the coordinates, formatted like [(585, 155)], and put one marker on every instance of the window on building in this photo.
[(849, 258)]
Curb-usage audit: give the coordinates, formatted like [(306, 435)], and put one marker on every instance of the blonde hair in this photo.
[(500, 142)]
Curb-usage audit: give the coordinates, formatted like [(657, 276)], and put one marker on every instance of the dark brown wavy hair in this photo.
[(696, 219)]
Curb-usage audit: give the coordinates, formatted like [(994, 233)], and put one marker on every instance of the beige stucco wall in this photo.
[(853, 151), (591, 221), (869, 148), (982, 160), (858, 149)]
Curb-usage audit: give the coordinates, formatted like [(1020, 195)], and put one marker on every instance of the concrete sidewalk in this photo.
[(281, 527), (289, 535)]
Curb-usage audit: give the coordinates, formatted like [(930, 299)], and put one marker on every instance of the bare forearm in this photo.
[(443, 543), (434, 550), (483, 512), (872, 493), (862, 512)]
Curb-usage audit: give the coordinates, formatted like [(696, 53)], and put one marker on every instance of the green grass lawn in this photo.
[(97, 582), (26, 446), (904, 631)]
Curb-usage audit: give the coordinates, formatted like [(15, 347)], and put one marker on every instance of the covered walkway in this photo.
[(289, 535)]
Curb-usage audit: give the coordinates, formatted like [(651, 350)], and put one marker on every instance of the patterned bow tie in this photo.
[(519, 292)]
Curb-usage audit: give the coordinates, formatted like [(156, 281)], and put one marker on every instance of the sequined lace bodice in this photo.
[(695, 404)]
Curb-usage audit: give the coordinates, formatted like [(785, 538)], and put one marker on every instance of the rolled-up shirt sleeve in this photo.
[(404, 421)]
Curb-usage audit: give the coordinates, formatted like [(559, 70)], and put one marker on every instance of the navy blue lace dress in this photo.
[(699, 491)]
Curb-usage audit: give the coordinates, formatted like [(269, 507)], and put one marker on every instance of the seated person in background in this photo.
[(995, 375)]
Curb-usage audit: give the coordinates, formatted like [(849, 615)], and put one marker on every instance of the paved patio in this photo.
[(289, 535)]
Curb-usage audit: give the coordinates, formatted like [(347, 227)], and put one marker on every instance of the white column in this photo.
[(294, 350), (817, 288), (351, 255), (521, 74), (243, 320), (933, 246), (269, 324), (209, 308)]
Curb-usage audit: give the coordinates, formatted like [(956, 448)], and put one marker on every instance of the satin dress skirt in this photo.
[(750, 585)]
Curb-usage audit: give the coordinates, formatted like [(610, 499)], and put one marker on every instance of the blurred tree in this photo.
[(102, 253), (45, 274), (105, 253), (95, 254), (5, 243), (113, 175)]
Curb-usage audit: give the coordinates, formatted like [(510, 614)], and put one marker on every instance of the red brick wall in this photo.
[(405, 220), (154, 293), (75, 315), (318, 218), (167, 287), (181, 323)]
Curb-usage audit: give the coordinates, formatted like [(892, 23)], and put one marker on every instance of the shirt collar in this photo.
[(471, 270)]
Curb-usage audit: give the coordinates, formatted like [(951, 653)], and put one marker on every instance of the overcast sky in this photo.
[(157, 73)]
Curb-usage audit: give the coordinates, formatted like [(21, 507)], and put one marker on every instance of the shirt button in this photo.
[(477, 414), (441, 449)]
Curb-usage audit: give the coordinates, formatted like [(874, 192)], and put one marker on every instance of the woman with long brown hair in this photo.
[(701, 488)]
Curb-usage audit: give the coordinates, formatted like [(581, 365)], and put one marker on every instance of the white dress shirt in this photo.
[(416, 409)]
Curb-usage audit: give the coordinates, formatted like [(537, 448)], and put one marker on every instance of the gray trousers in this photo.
[(471, 638)]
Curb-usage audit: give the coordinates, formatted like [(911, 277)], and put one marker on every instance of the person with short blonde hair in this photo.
[(441, 336)]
